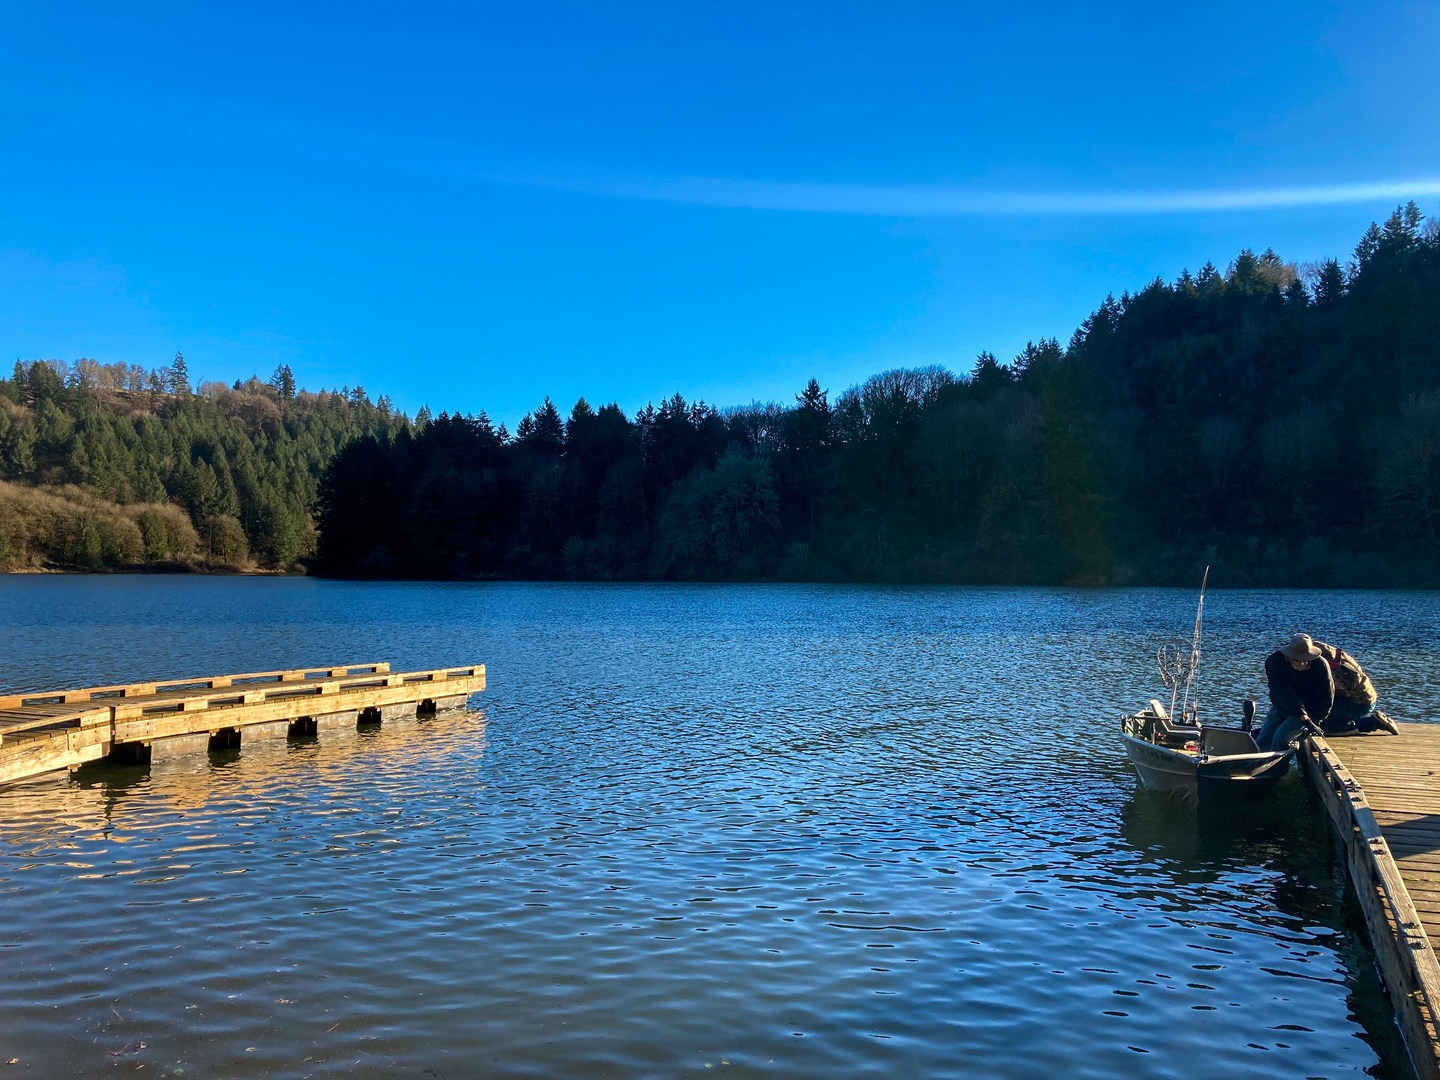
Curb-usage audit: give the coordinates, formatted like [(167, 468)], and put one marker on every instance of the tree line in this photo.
[(1280, 423), (112, 466)]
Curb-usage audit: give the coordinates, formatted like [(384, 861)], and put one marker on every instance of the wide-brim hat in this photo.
[(1301, 647)]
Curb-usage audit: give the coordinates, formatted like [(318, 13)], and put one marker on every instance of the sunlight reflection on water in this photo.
[(748, 829)]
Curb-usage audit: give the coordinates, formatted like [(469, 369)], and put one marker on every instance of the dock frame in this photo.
[(1404, 952), (46, 731)]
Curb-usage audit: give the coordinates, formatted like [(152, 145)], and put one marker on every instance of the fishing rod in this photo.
[(1194, 664), (1177, 670)]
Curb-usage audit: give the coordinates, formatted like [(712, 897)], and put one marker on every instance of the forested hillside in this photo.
[(1279, 423), (110, 466)]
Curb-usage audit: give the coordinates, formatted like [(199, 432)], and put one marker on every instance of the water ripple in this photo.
[(785, 831)]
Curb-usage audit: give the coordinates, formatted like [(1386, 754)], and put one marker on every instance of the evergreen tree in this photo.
[(283, 381), (177, 376)]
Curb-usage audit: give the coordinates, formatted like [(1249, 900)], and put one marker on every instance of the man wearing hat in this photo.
[(1301, 690)]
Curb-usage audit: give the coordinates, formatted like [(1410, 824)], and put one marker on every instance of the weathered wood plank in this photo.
[(1419, 863), (204, 682), (17, 721), (1411, 820), (1409, 847), (1421, 841), (196, 699)]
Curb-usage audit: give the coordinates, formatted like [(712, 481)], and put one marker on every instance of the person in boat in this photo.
[(1301, 691), (1355, 696)]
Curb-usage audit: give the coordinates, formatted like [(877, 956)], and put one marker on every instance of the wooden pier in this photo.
[(1383, 797), (64, 729)]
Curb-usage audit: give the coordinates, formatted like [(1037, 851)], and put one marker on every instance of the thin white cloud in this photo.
[(960, 202)]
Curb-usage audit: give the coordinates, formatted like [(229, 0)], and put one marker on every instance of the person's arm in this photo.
[(1324, 690), (1281, 681)]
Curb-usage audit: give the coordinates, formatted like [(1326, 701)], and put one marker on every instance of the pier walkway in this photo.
[(63, 729), (1383, 797)]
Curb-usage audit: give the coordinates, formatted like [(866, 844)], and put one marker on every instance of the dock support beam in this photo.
[(178, 745), (336, 721), (442, 704), (276, 729)]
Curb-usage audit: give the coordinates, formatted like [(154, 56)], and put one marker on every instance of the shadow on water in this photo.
[(1303, 876), (1199, 837), (109, 777)]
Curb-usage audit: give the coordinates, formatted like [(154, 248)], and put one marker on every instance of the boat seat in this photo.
[(1229, 741), (1169, 733)]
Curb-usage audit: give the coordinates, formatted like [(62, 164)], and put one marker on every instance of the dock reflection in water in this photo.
[(758, 830)]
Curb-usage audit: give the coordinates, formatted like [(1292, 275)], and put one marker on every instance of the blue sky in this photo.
[(473, 206)]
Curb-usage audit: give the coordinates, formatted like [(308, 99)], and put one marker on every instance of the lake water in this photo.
[(687, 831)]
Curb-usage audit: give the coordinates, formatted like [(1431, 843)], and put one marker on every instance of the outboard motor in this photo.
[(1247, 710)]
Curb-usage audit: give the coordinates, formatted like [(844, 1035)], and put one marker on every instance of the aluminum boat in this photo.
[(1182, 756)]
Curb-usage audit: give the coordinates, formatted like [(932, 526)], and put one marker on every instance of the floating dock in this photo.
[(1383, 797), (64, 729)]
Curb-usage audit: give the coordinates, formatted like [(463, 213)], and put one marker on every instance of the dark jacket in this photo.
[(1292, 692)]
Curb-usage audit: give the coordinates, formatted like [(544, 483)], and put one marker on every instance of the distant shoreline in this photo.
[(162, 570), (1084, 586)]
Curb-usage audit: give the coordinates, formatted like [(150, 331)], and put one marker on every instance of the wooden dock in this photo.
[(1383, 796), (64, 729)]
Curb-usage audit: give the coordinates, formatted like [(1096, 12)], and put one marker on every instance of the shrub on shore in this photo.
[(74, 528)]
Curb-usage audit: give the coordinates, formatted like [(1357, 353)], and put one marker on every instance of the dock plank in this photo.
[(146, 689), (1399, 787), (1399, 780)]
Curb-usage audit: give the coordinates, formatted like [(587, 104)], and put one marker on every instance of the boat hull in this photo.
[(1162, 769), (1194, 768)]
